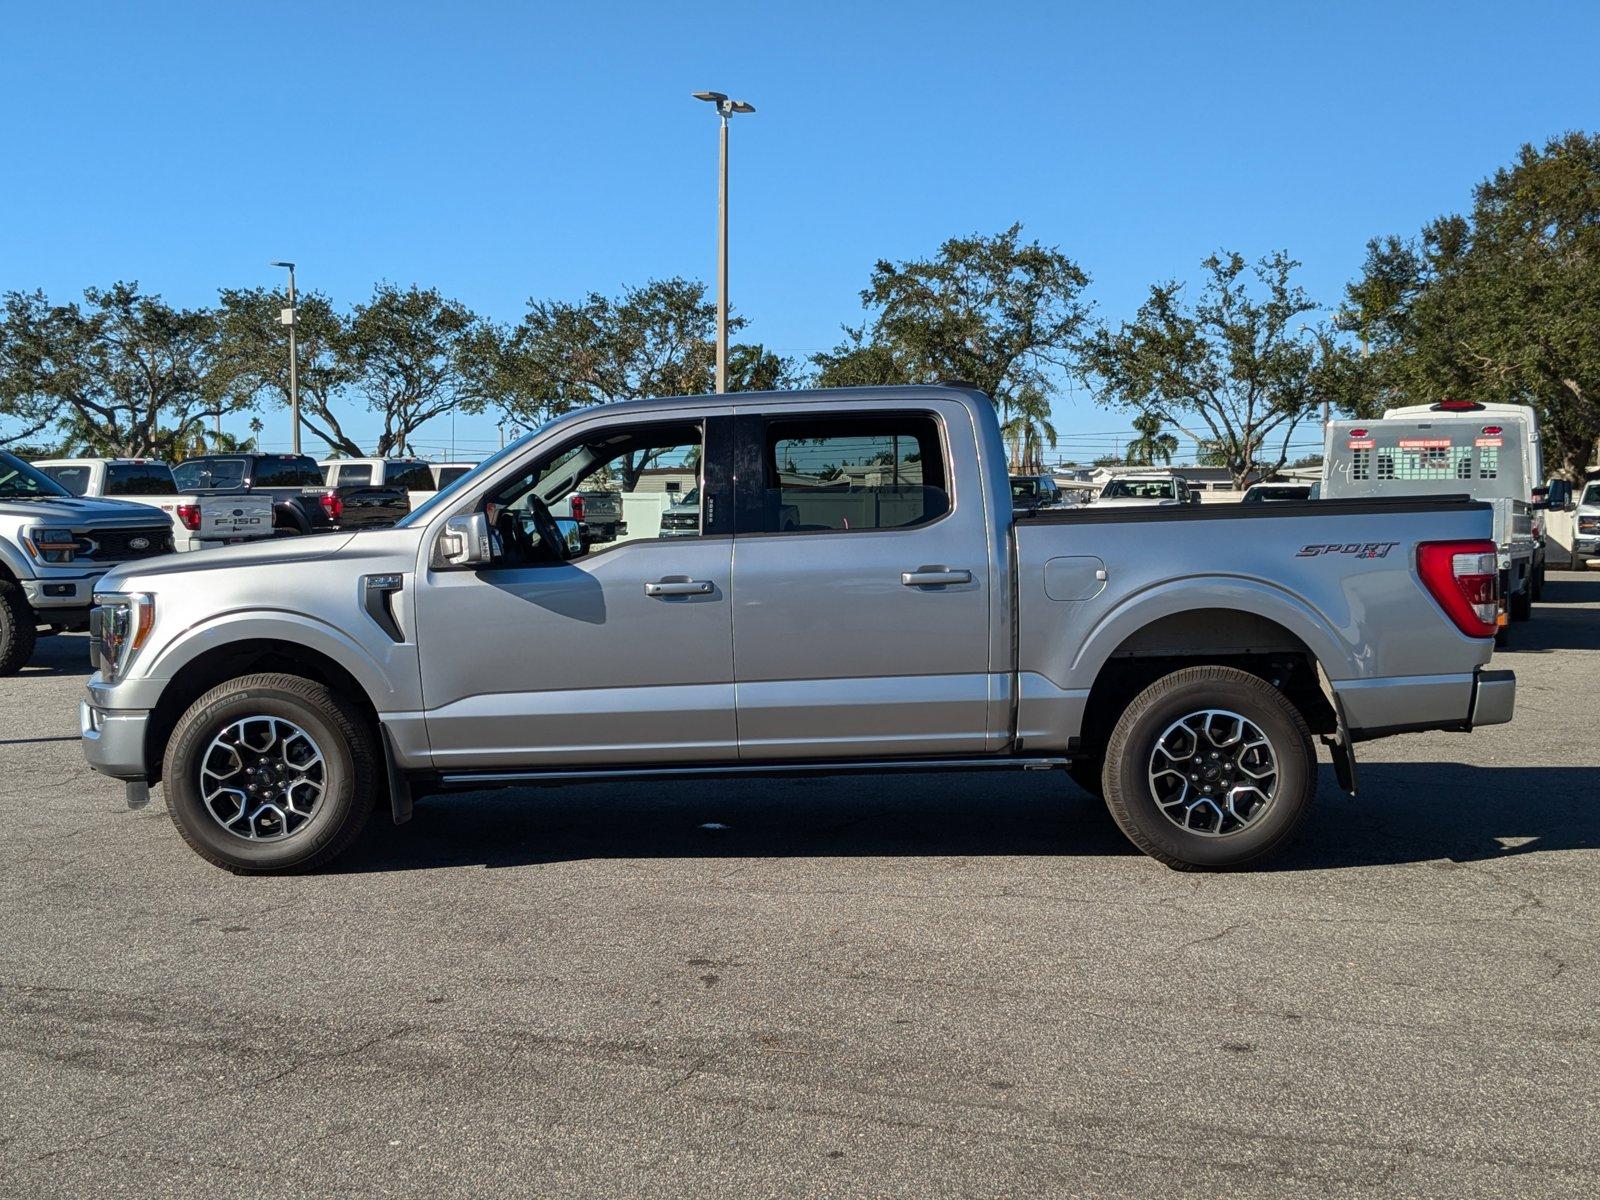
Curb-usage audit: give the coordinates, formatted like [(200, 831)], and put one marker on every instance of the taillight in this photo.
[(333, 506), (577, 507), (1464, 577), (189, 514)]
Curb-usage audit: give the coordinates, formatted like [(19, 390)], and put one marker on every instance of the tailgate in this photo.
[(241, 516)]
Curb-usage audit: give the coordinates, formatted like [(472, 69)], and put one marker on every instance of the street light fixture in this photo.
[(725, 110), (286, 317)]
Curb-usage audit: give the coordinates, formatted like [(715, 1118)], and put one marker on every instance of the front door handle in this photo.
[(679, 587), (933, 577)]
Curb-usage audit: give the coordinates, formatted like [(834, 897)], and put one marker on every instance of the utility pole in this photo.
[(287, 317), (725, 110)]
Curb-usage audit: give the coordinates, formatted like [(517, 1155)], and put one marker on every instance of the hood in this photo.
[(81, 511), (269, 552)]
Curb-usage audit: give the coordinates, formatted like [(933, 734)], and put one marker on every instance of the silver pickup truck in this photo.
[(858, 597)]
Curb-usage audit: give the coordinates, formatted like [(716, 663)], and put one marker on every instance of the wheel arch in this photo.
[(247, 656), (1283, 643)]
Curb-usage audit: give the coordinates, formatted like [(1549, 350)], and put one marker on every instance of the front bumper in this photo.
[(49, 592), (114, 740)]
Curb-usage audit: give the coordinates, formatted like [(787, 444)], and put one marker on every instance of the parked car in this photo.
[(1448, 451), (1276, 493), (1178, 660), (1032, 493), (199, 521), (414, 475), (301, 501), (682, 519), (1146, 491), (1586, 526), (54, 548)]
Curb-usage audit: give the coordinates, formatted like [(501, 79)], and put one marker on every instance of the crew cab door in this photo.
[(622, 654), (862, 578)]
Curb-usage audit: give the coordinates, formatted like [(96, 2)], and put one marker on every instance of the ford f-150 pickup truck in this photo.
[(54, 547), (198, 522), (301, 501), (857, 596)]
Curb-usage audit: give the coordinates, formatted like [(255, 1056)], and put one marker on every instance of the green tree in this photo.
[(1497, 304), (1152, 445), (253, 358), (124, 373), (404, 351), (1002, 314), (1237, 368)]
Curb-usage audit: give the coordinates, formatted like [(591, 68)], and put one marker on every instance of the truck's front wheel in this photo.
[(17, 628), (1210, 767), (270, 773)]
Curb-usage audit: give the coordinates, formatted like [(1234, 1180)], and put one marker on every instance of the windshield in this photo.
[(19, 481), (1592, 496), (692, 500), (209, 473), (1140, 489), (421, 514)]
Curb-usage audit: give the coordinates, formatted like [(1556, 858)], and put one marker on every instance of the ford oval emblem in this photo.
[(138, 543)]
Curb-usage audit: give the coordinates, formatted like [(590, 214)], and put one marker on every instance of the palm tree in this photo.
[(1152, 445), (1027, 431)]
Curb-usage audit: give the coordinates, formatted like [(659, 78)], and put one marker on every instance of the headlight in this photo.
[(1589, 525), (50, 545), (118, 626)]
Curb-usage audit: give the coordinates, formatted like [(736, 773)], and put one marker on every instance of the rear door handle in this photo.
[(932, 578), (679, 587)]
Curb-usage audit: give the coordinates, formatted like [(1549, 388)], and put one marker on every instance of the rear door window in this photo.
[(850, 473), (139, 479), (413, 476), (287, 470), (353, 475)]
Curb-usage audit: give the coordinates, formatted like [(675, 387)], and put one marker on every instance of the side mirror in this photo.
[(572, 534), (1194, 497), (1558, 495), (465, 541)]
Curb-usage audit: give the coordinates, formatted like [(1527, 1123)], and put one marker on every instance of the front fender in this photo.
[(389, 677)]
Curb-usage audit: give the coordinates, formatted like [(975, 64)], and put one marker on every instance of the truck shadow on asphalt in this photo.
[(1407, 813), (60, 654), (1566, 618)]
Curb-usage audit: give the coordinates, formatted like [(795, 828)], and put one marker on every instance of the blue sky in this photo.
[(501, 151)]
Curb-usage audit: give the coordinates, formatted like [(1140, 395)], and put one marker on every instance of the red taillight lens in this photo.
[(332, 505), (189, 514), (1457, 406), (577, 507), (1464, 577)]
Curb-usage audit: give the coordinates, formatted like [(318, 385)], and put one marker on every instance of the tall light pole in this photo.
[(286, 317), (725, 110)]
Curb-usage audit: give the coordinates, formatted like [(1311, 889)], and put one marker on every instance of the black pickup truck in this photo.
[(301, 502)]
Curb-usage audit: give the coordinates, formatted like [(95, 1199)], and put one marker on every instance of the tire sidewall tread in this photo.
[(18, 631)]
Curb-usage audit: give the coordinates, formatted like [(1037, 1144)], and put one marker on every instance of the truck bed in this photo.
[(1336, 578)]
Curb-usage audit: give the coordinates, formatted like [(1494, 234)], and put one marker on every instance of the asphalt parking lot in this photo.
[(911, 986)]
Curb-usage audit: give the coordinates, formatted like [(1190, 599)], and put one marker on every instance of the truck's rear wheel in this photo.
[(1210, 767), (1521, 605), (17, 628), (270, 773)]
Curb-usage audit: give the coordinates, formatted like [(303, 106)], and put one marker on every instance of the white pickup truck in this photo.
[(1586, 527), (199, 522), (420, 479)]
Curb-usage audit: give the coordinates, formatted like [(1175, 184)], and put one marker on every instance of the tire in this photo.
[(18, 628), (1150, 726), (336, 805), (1086, 773)]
